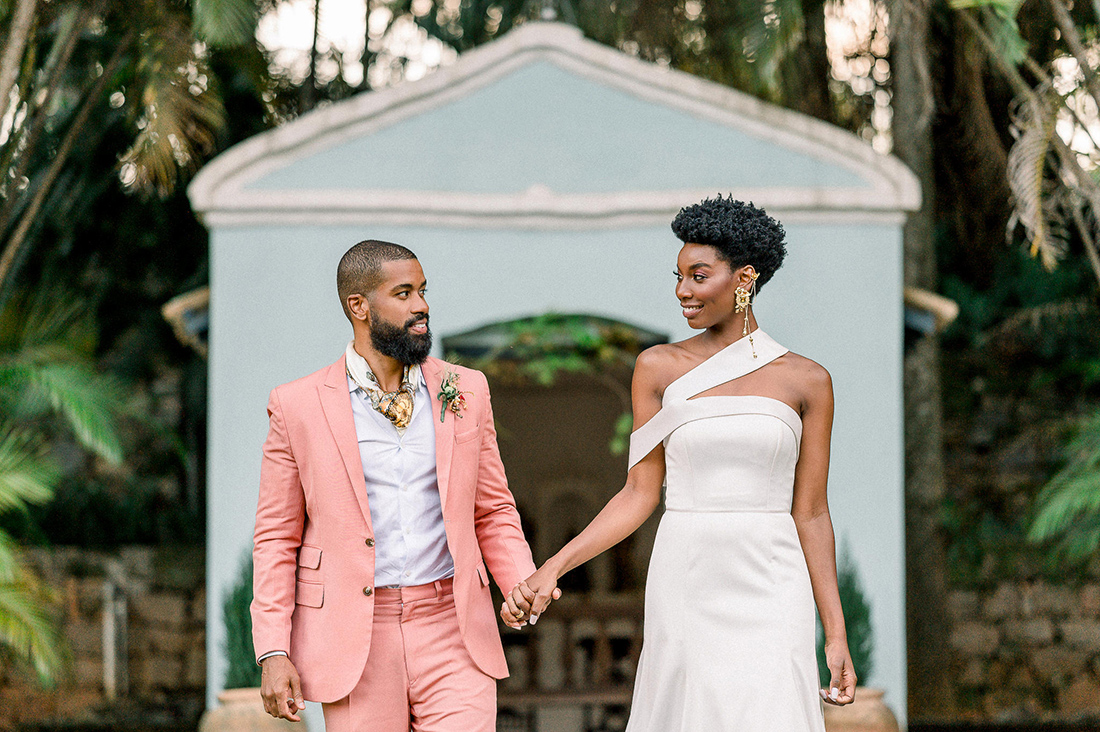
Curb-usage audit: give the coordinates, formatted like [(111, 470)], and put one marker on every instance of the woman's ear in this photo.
[(745, 275)]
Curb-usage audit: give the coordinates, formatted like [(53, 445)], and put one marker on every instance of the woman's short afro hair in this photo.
[(742, 234)]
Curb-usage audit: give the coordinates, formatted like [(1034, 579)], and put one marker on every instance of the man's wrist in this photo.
[(270, 654)]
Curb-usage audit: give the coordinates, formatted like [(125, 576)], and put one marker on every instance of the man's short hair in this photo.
[(360, 269)]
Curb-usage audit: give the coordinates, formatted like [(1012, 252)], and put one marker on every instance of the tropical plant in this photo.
[(1068, 507), (47, 384), (857, 622), (73, 73), (242, 671), (1051, 164), (775, 50)]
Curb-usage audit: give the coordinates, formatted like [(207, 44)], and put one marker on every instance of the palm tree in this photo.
[(47, 385), (74, 71)]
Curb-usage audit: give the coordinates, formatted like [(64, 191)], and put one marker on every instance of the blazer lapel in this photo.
[(336, 403), (444, 431)]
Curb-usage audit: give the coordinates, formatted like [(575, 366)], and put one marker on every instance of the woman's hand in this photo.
[(842, 686), (530, 598)]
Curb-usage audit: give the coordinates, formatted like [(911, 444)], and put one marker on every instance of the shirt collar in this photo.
[(359, 369)]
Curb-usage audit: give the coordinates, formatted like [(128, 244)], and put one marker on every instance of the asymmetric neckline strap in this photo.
[(728, 364)]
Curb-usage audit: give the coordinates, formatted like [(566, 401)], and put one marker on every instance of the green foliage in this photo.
[(857, 622), (1002, 27), (620, 442), (224, 22), (28, 635), (90, 513), (242, 672), (46, 378), (1068, 508)]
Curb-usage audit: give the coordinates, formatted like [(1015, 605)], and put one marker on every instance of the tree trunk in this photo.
[(931, 694), (806, 71), (972, 156)]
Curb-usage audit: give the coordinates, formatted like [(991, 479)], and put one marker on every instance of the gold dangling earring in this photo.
[(743, 303)]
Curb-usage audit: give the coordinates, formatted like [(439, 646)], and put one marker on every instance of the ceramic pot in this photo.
[(242, 710), (868, 713)]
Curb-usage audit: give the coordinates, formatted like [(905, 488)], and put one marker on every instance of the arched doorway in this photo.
[(561, 386)]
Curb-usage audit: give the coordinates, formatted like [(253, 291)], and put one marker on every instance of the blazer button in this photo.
[(368, 591), (370, 542)]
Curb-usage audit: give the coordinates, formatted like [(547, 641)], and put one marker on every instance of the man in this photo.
[(382, 500)]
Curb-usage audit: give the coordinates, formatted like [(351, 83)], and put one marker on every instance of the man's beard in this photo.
[(398, 343)]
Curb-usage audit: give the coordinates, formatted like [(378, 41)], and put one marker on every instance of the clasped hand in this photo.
[(529, 599)]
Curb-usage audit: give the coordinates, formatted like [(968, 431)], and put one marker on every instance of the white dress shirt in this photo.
[(399, 469)]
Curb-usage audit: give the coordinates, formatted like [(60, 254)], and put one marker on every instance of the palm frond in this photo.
[(1068, 507), (1027, 164), (42, 317), (27, 475), (223, 22), (27, 632), (87, 400), (181, 112)]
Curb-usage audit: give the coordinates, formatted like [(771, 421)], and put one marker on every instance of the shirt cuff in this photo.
[(270, 654)]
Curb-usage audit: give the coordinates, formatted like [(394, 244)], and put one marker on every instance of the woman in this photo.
[(739, 428)]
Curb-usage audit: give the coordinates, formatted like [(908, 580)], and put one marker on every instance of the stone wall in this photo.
[(1028, 651), (1025, 636), (165, 633)]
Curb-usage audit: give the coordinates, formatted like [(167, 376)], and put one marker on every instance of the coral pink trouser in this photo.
[(419, 675)]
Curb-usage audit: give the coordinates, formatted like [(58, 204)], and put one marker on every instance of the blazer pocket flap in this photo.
[(482, 574), (310, 594), (309, 556)]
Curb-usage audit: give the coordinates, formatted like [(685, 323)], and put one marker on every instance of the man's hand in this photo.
[(281, 689)]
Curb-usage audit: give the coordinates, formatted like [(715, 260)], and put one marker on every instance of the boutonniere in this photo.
[(450, 397)]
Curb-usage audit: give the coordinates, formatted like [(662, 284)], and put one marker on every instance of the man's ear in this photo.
[(359, 307)]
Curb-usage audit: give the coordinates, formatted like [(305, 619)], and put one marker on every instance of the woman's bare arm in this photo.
[(810, 510), (624, 513)]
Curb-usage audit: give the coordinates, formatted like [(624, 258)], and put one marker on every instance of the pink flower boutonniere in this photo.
[(450, 397)]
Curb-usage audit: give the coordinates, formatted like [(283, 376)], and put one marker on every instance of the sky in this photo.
[(288, 31)]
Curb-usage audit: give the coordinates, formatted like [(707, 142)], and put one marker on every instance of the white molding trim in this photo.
[(220, 191)]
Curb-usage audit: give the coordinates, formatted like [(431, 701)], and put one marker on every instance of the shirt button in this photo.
[(368, 591), (406, 530), (369, 542), (405, 488), (408, 574)]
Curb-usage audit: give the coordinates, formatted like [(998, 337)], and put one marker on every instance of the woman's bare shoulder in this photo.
[(659, 365), (811, 376), (666, 356)]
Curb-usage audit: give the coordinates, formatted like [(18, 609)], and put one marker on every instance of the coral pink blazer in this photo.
[(313, 553)]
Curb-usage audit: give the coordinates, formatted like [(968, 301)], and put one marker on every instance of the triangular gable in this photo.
[(544, 127)]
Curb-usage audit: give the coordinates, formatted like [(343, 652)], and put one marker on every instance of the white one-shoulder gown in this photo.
[(729, 614)]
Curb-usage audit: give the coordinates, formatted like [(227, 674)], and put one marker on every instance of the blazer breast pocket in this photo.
[(465, 435)]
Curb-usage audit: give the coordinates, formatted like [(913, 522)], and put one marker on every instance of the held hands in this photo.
[(281, 689), (530, 598), (842, 685)]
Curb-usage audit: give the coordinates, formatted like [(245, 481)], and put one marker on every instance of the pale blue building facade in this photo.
[(540, 173)]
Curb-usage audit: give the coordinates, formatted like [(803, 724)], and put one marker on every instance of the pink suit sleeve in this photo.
[(280, 516), (496, 519)]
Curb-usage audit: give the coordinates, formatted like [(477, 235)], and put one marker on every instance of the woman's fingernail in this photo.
[(534, 619), (834, 693)]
